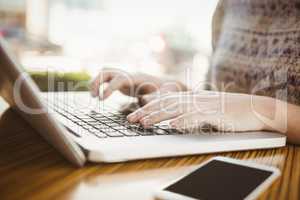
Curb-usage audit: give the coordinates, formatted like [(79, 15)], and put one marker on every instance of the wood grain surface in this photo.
[(31, 169)]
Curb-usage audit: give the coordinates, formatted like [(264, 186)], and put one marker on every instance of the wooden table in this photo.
[(32, 169)]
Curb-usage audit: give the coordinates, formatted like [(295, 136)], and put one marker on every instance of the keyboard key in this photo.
[(120, 127), (71, 117), (97, 132), (148, 131), (81, 123), (93, 123), (132, 125), (113, 133), (100, 134), (97, 116), (117, 117), (129, 133), (105, 123), (113, 124), (159, 131), (100, 126), (105, 120), (174, 132), (87, 126)]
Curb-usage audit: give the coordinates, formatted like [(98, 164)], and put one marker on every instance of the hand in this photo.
[(189, 110), (143, 86)]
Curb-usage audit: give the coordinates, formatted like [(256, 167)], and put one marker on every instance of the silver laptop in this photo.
[(84, 129)]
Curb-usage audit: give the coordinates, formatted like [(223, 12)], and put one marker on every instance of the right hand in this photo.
[(143, 86)]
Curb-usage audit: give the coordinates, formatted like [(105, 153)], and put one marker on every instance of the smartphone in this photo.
[(221, 178)]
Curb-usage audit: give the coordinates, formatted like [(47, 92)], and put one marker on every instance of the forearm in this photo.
[(283, 117), (174, 84), (294, 123)]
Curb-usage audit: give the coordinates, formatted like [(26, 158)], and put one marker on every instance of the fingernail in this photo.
[(103, 94), (147, 97), (93, 92), (146, 122), (173, 124), (143, 99), (131, 117), (101, 98)]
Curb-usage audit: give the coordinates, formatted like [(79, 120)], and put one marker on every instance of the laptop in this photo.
[(83, 129)]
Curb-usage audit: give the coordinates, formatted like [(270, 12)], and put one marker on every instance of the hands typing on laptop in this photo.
[(98, 136), (185, 108)]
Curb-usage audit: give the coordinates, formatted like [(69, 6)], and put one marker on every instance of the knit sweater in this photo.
[(257, 48)]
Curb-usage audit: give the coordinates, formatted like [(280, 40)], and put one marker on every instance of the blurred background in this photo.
[(74, 39)]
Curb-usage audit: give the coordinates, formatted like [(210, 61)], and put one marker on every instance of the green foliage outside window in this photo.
[(57, 81)]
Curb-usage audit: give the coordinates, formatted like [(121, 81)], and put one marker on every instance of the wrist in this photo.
[(182, 86), (270, 112), (175, 85)]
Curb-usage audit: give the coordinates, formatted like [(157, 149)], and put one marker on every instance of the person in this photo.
[(253, 83)]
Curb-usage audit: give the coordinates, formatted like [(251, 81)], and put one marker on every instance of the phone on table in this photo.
[(221, 178)]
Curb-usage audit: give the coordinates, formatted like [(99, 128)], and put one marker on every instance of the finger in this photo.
[(149, 108), (103, 77), (161, 103), (162, 115), (163, 92), (144, 99), (172, 86), (195, 119), (115, 84)]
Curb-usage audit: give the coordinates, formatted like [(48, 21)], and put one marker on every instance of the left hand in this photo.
[(188, 110)]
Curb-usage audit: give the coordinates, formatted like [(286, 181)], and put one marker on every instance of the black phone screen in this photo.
[(220, 180)]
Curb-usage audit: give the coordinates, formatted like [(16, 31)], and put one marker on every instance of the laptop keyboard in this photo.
[(107, 123)]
